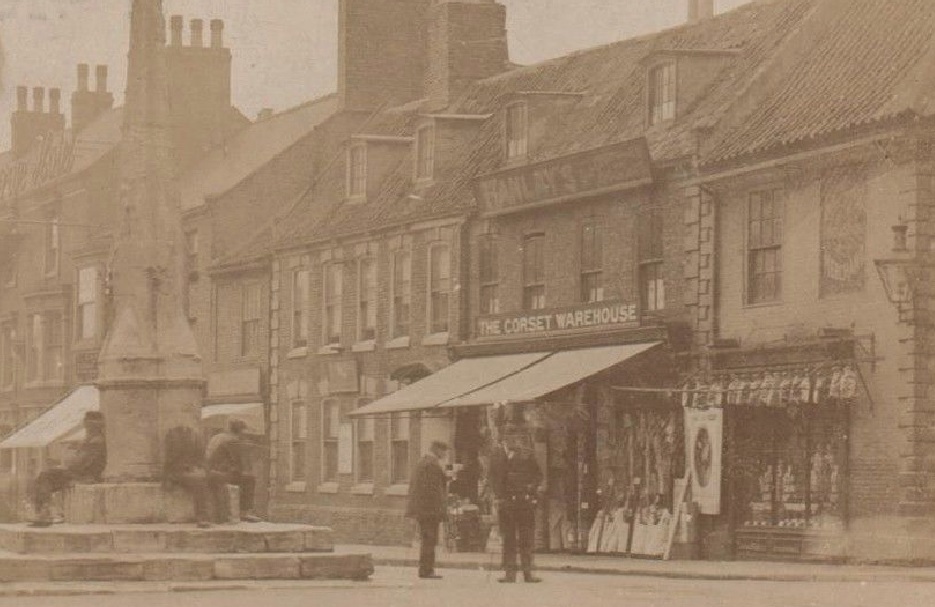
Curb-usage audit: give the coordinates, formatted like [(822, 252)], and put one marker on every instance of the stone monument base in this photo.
[(135, 503)]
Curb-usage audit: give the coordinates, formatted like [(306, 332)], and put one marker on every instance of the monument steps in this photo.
[(168, 567)]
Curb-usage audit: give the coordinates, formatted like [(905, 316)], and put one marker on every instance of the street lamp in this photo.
[(904, 274)]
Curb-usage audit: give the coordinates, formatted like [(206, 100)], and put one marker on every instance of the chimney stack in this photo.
[(84, 73), (699, 10), (217, 33), (55, 101), (87, 105), (101, 75), (38, 100), (198, 33), (176, 29), (22, 94)]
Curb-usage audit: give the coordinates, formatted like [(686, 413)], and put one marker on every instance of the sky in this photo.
[(284, 50)]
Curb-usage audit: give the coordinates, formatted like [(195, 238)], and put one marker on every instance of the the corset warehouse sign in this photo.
[(560, 320)]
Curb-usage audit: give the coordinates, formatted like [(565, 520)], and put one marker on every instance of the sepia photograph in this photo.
[(467, 302)]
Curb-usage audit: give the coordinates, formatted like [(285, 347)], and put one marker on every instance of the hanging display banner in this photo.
[(704, 430)]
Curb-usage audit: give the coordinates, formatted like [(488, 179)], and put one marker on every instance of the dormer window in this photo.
[(357, 171), (425, 152), (662, 93), (517, 131)]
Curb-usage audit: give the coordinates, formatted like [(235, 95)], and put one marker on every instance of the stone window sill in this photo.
[(298, 353), (364, 346), (296, 487), (328, 488), (400, 490), (398, 343), (329, 350), (435, 339), (362, 489)]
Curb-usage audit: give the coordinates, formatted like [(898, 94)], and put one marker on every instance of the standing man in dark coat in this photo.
[(515, 477), (428, 495), (228, 462)]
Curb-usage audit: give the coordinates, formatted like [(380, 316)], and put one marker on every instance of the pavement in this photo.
[(754, 571)]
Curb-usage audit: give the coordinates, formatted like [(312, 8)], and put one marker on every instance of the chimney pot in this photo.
[(38, 99), (101, 74), (22, 94), (84, 71), (198, 33), (699, 10), (55, 101), (176, 24), (217, 33)]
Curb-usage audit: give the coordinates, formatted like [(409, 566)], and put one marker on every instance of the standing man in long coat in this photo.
[(428, 504), (516, 478)]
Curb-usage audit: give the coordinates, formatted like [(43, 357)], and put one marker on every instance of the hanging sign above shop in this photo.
[(613, 168), (593, 316)]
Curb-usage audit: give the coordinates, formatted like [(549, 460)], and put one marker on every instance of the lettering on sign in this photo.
[(558, 321), (619, 165)]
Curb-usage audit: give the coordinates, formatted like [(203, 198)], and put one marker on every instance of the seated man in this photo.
[(184, 466), (228, 462), (87, 466)]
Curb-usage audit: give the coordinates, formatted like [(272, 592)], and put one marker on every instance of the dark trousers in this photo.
[(208, 492), (517, 528), (48, 483), (247, 484), (428, 539)]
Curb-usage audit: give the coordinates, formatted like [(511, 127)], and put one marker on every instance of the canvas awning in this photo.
[(503, 379), (250, 413), (552, 373), (451, 382), (58, 422)]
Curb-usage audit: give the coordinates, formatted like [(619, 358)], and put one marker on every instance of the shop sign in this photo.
[(704, 430), (613, 167), (562, 320)]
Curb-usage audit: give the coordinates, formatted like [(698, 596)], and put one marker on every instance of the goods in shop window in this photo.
[(753, 390), (802, 390), (786, 382), (834, 389), (733, 390), (716, 393), (820, 389), (848, 382), (768, 393), (687, 394)]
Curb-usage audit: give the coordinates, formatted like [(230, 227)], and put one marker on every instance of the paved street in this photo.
[(395, 587)]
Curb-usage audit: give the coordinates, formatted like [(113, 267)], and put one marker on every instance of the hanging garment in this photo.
[(594, 536)]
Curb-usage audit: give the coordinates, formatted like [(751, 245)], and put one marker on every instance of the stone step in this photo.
[(251, 538), (182, 567)]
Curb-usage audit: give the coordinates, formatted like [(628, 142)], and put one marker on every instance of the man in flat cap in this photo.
[(228, 461), (86, 466)]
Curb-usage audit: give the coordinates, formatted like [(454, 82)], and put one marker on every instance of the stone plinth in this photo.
[(134, 503)]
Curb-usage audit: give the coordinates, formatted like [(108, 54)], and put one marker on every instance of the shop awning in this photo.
[(250, 413), (455, 380), (552, 373), (58, 422)]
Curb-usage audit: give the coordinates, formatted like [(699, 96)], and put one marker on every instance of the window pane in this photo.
[(490, 299), (402, 292)]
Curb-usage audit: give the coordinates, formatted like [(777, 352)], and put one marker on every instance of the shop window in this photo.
[(44, 348), (662, 93), (651, 251), (489, 274), (764, 247), (52, 245), (365, 452), (592, 262), (425, 152), (7, 355), (299, 442), (331, 423), (357, 171), (367, 299), (333, 295), (517, 131), (250, 319), (399, 448), (402, 292), (439, 287), (300, 303), (87, 309), (534, 272)]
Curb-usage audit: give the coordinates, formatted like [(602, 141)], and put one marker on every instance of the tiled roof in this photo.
[(250, 149), (854, 62)]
